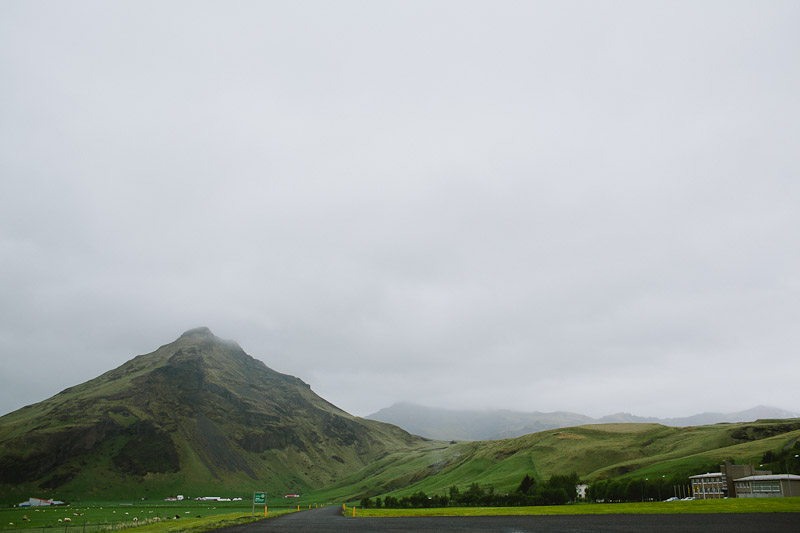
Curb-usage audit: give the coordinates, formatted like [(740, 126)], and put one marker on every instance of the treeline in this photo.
[(639, 490), (782, 461), (557, 490)]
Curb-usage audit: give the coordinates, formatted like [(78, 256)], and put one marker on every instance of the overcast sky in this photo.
[(586, 206)]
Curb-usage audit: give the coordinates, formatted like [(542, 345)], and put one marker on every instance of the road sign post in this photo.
[(259, 498)]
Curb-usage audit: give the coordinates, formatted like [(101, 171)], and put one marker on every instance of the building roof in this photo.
[(772, 477), (710, 474)]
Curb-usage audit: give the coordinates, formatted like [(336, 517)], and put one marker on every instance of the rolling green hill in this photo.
[(593, 452), (196, 415)]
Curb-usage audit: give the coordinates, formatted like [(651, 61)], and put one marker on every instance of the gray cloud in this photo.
[(582, 206)]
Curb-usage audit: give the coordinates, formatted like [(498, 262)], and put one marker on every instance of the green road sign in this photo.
[(260, 497)]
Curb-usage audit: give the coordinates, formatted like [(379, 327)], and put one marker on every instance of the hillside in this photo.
[(596, 451), (196, 414), (449, 424)]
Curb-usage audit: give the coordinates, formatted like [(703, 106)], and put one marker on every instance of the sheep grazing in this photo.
[(135, 518), (68, 519)]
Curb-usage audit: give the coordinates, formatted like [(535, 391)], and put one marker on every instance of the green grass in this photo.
[(195, 516), (737, 505)]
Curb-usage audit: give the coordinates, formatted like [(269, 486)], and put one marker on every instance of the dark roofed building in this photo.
[(769, 486)]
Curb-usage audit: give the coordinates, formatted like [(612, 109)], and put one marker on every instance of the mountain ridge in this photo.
[(469, 425)]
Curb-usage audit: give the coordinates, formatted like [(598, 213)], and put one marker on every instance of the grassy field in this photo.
[(194, 516), (737, 505)]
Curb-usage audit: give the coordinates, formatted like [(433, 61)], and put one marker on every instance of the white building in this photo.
[(39, 502)]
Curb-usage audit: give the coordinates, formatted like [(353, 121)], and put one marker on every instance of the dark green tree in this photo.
[(473, 495), (566, 483), (454, 494), (526, 484), (391, 501)]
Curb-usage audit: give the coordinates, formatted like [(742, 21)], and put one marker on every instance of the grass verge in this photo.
[(738, 505)]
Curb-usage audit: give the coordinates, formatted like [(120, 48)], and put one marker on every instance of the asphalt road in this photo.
[(330, 520)]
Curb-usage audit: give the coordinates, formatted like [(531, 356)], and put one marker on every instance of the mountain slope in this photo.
[(596, 451), (445, 424), (198, 412)]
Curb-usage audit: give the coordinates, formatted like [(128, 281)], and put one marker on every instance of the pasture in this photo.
[(144, 516)]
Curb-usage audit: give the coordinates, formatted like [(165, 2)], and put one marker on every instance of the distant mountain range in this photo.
[(446, 424)]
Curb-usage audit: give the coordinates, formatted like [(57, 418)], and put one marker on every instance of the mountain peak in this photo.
[(202, 331)]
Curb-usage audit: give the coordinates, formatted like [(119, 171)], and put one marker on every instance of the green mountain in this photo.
[(196, 415)]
